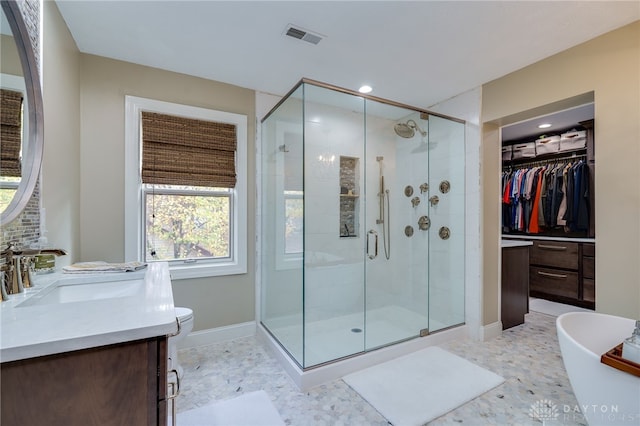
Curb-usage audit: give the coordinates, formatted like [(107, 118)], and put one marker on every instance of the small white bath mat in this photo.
[(250, 409), (417, 388), (548, 307)]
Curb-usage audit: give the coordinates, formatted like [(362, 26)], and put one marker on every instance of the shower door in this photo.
[(397, 236), (447, 245), (333, 228)]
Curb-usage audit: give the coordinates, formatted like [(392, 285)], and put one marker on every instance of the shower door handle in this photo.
[(375, 244)]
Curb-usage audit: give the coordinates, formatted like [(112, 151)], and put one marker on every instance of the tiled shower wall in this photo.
[(349, 191), (25, 229)]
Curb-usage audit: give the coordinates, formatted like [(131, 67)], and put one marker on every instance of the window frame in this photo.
[(134, 190), (17, 83)]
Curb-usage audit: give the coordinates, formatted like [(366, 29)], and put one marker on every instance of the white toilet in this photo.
[(185, 317)]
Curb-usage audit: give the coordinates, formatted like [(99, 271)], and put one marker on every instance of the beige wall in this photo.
[(610, 67), (490, 223), (60, 188), (83, 168), (216, 301)]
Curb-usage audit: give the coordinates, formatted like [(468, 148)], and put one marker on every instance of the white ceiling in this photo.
[(560, 121), (417, 52)]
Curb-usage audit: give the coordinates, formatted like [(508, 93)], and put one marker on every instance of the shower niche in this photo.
[(349, 197), (333, 253)]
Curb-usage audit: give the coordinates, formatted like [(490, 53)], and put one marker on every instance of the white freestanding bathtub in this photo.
[(605, 395)]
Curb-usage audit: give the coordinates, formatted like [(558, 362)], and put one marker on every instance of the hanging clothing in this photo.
[(582, 202), (545, 197), (534, 224)]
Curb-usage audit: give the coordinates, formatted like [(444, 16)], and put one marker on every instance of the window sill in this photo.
[(189, 271)]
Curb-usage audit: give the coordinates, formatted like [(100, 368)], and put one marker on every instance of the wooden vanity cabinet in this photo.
[(589, 273), (563, 271), (120, 384), (515, 285)]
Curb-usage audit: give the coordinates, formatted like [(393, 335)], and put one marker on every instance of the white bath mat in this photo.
[(249, 409), (417, 388)]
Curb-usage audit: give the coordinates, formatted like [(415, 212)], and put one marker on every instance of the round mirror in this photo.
[(21, 148)]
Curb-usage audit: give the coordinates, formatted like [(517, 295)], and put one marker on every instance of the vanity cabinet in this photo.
[(589, 273), (515, 285), (120, 384), (563, 271)]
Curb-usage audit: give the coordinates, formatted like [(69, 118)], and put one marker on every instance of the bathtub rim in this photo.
[(560, 327)]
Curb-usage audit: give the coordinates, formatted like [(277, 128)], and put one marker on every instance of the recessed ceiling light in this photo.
[(365, 89), (544, 126)]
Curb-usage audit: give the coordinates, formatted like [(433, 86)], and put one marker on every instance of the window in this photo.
[(185, 195), (14, 131)]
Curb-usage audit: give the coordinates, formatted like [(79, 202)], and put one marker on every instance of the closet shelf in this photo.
[(556, 156)]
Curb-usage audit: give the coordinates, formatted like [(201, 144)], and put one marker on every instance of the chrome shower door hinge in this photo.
[(424, 332)]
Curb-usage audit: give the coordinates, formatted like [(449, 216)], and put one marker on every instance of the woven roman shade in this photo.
[(10, 132), (185, 151)]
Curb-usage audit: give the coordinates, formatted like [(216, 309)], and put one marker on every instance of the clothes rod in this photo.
[(533, 163)]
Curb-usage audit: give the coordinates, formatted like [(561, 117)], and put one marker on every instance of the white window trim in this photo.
[(134, 238)]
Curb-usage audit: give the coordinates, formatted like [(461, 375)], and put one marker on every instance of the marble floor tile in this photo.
[(527, 356)]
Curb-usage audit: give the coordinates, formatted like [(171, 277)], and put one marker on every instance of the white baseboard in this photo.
[(488, 332), (219, 334)]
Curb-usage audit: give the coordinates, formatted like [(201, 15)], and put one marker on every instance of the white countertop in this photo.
[(144, 310), (514, 243)]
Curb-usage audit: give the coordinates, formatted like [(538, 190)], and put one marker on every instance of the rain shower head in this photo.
[(408, 129)]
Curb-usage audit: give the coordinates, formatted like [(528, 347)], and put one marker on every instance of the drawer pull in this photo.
[(549, 274), (546, 247)]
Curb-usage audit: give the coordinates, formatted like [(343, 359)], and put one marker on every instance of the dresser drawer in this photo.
[(556, 254), (588, 249), (588, 290), (589, 267), (553, 281)]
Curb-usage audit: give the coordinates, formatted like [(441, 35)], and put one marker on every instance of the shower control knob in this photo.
[(415, 201), (424, 223), (445, 186), (434, 200), (408, 190), (424, 188), (444, 233), (408, 230)]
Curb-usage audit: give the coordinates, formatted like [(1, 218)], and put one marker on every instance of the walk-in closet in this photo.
[(548, 199)]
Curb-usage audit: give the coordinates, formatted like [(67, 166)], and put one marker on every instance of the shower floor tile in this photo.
[(338, 337), (527, 356)]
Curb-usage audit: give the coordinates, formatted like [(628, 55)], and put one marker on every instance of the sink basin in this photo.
[(83, 292)]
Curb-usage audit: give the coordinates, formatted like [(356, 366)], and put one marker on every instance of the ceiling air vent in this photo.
[(302, 34)]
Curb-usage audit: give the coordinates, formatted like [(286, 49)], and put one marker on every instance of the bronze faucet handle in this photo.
[(57, 252), (3, 286), (11, 248)]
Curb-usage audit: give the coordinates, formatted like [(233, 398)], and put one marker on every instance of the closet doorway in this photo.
[(547, 212)]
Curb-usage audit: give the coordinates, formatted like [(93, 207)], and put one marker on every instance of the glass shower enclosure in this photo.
[(362, 223)]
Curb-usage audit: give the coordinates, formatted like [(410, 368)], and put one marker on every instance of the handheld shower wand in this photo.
[(384, 218)]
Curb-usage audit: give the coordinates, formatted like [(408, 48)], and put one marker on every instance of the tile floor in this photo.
[(527, 356)]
